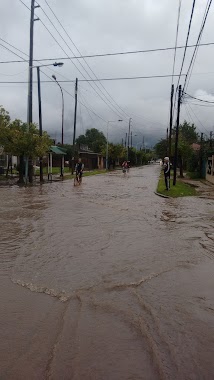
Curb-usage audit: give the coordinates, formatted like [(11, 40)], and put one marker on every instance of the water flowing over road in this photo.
[(106, 281)]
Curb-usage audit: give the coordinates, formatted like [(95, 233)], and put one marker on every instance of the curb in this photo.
[(162, 195)]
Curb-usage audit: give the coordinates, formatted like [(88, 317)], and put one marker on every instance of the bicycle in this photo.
[(78, 179), (124, 171)]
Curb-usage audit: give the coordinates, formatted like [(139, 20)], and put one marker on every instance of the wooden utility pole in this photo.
[(171, 121), (30, 82), (176, 138), (129, 138), (126, 141), (75, 122), (201, 155), (167, 141), (40, 122)]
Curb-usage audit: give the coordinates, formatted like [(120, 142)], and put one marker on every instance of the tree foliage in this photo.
[(187, 136), (17, 140), (94, 139), (161, 148)]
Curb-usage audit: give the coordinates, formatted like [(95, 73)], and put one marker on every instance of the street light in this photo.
[(113, 121), (59, 64), (62, 160)]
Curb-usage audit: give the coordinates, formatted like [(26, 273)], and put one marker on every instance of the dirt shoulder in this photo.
[(204, 188)]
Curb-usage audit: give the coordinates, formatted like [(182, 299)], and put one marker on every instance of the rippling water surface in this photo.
[(106, 281)]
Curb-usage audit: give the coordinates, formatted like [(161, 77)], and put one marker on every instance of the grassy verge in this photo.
[(87, 174), (55, 170), (180, 190)]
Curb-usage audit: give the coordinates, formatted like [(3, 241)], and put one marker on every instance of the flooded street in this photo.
[(106, 281)]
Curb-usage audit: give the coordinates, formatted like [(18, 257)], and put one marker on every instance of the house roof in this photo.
[(196, 147), (89, 153), (57, 150)]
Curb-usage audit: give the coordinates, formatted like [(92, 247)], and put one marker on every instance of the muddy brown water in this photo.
[(106, 281)]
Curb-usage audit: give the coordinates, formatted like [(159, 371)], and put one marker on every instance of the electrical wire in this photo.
[(187, 39), (85, 59), (201, 105), (109, 104), (197, 46), (191, 111), (198, 41), (198, 119), (184, 55), (101, 79), (190, 117), (176, 38), (67, 92), (5, 47), (200, 100), (111, 54)]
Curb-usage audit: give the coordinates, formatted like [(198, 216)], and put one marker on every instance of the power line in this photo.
[(176, 38), (20, 51), (84, 59), (109, 104), (198, 119), (200, 100), (197, 44), (198, 41), (5, 47), (201, 105), (111, 54), (60, 45), (67, 92), (190, 117), (187, 39), (184, 55), (100, 79)]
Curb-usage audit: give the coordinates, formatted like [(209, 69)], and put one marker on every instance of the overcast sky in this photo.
[(107, 26)]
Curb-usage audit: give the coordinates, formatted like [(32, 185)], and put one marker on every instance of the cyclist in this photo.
[(79, 170), (125, 166)]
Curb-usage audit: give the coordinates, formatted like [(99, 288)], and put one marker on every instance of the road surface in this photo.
[(106, 281)]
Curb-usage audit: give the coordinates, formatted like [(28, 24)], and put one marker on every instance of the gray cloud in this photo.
[(98, 26)]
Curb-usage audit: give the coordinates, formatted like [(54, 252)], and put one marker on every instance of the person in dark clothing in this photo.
[(79, 170), (167, 172)]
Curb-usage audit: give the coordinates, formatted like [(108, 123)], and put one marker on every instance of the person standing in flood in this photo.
[(167, 172)]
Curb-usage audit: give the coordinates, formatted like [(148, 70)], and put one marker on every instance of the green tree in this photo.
[(187, 136), (95, 140), (161, 148), (19, 141)]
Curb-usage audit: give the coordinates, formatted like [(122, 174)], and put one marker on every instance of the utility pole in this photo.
[(75, 121), (211, 139), (176, 138), (201, 155), (30, 78), (126, 141), (129, 138), (167, 141), (171, 121), (40, 122)]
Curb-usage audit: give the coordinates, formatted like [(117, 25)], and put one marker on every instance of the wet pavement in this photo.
[(106, 281)]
